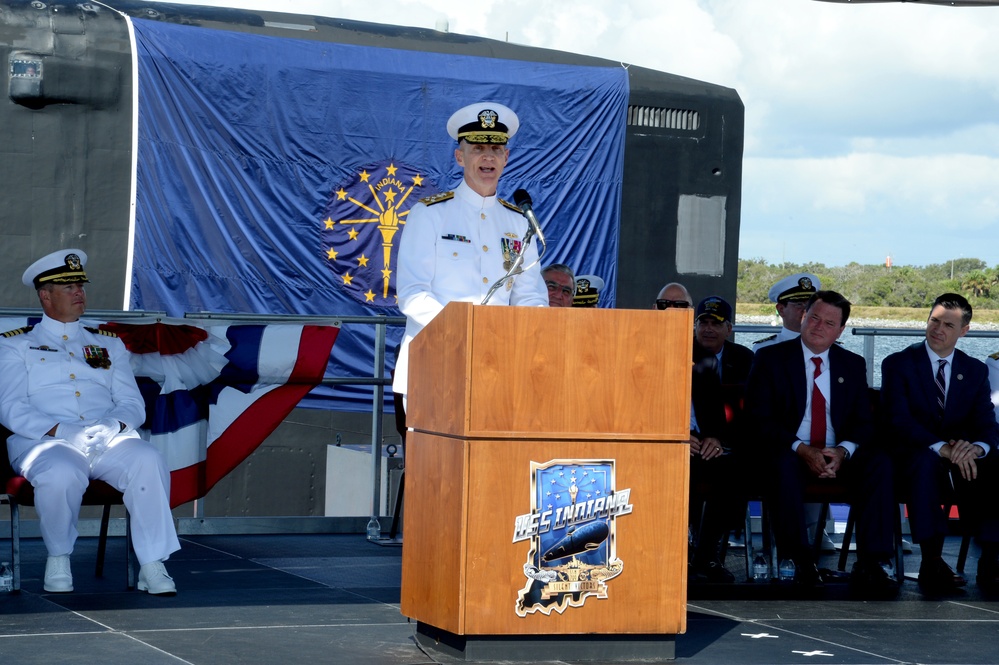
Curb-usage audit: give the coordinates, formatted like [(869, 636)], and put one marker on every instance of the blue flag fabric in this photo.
[(275, 175)]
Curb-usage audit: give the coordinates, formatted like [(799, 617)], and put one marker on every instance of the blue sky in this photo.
[(871, 129)]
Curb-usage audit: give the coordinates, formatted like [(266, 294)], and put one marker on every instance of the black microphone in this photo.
[(523, 201)]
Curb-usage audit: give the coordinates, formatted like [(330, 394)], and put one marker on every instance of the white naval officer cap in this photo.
[(61, 267), (799, 286), (483, 122), (588, 288)]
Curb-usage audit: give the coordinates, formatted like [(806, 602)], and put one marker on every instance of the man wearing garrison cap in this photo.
[(70, 400), (458, 244), (790, 295)]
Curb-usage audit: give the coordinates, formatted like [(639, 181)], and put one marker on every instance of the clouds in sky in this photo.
[(870, 129)]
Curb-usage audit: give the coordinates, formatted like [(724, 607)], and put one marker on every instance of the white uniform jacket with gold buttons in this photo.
[(454, 250), (46, 379)]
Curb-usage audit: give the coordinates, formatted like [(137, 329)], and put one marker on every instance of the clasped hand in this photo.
[(962, 454), (823, 462), (707, 448), (90, 438)]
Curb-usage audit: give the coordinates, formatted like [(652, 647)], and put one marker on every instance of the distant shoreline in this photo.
[(868, 317)]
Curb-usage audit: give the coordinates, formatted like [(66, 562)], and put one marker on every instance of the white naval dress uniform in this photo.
[(453, 251), (47, 380), (782, 336)]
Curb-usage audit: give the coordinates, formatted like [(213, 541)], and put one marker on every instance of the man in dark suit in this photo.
[(939, 415), (809, 407), (720, 368), (712, 348)]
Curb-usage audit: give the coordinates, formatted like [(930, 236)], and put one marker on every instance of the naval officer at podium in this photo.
[(458, 244)]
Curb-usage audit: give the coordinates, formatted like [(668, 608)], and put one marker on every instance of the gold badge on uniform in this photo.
[(97, 357)]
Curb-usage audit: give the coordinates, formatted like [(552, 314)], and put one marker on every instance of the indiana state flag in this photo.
[(275, 175)]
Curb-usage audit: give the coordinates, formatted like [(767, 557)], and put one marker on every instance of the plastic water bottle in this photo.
[(761, 569), (785, 570), (374, 529), (6, 577)]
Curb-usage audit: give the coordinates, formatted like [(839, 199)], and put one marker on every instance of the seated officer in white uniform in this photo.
[(458, 244), (69, 398)]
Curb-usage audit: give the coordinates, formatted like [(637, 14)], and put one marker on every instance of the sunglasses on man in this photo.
[(668, 304)]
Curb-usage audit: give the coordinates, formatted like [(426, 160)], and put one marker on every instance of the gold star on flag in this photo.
[(418, 180), (390, 195), (364, 176), (331, 254), (353, 233), (347, 279), (369, 296), (329, 223), (386, 273), (341, 194), (362, 261), (391, 168)]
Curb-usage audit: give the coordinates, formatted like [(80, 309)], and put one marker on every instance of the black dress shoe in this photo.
[(936, 577), (712, 572), (808, 577), (870, 581)]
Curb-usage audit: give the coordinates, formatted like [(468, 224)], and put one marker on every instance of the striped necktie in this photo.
[(941, 382)]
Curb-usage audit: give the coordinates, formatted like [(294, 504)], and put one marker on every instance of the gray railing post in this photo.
[(378, 407)]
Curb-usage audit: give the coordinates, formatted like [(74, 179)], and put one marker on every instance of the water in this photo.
[(976, 347), (761, 569), (785, 570)]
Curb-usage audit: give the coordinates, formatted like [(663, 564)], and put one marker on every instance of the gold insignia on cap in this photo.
[(805, 283), (487, 118)]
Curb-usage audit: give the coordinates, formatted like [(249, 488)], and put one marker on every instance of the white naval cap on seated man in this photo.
[(71, 402), (790, 296), (457, 244)]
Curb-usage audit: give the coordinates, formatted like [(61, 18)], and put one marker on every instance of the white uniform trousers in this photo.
[(60, 474)]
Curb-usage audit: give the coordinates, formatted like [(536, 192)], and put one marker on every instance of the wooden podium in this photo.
[(497, 393)]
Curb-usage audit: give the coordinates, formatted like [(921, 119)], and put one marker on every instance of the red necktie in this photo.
[(818, 435)]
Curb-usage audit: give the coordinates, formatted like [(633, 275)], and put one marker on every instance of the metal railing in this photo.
[(870, 337), (378, 379)]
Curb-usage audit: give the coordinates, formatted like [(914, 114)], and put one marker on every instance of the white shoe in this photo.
[(58, 577), (154, 579)]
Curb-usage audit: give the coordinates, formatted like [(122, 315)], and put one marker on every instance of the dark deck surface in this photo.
[(335, 599)]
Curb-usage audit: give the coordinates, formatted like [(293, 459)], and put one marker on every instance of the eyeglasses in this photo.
[(676, 304), (566, 290)]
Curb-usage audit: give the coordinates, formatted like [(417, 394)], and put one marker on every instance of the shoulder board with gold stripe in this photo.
[(994, 356), (436, 198), (507, 204), (98, 331), (766, 339), (17, 331)]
